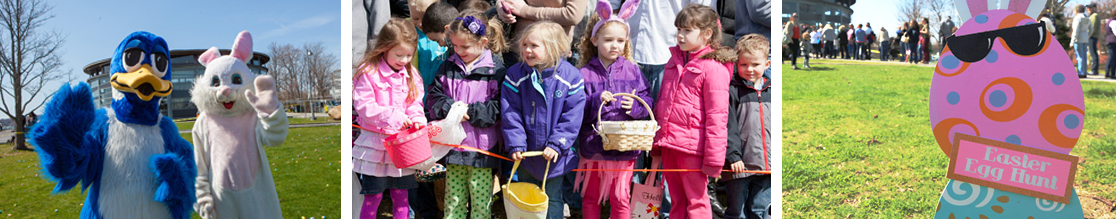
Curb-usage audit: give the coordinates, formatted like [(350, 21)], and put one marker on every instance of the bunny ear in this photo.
[(242, 47), (969, 8), (604, 9), (209, 56), (628, 9), (1031, 8)]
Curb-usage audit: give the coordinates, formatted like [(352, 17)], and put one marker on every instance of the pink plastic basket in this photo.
[(408, 147)]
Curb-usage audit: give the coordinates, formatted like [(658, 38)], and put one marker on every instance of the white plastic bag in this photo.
[(444, 132)]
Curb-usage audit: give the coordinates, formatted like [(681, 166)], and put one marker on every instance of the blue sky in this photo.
[(884, 12), (94, 28)]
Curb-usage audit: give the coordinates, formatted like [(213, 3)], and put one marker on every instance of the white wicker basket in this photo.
[(627, 135)]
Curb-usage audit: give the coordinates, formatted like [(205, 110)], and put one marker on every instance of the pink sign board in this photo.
[(1014, 168)]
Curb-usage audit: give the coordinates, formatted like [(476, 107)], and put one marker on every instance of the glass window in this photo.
[(188, 59)]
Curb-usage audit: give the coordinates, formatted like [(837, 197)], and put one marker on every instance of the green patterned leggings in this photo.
[(466, 184)]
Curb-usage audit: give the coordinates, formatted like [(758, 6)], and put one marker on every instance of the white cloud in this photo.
[(310, 22)]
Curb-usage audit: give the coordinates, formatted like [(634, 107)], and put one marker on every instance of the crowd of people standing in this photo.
[(909, 43)]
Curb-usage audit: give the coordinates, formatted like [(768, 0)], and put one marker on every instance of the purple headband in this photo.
[(604, 10), (474, 25)]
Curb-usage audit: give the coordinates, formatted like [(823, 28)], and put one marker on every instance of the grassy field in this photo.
[(857, 143), (306, 171), (187, 124)]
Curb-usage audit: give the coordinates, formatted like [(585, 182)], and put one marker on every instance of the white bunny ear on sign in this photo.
[(969, 8), (1031, 8)]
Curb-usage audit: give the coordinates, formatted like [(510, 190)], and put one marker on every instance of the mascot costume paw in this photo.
[(238, 114), (132, 160)]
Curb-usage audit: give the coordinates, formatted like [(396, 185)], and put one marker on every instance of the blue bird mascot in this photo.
[(131, 159)]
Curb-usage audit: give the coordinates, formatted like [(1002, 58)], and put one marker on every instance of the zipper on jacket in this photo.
[(763, 133)]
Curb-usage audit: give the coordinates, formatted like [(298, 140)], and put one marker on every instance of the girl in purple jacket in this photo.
[(606, 71), (542, 102), (471, 74)]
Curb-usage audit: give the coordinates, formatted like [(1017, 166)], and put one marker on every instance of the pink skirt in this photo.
[(609, 179)]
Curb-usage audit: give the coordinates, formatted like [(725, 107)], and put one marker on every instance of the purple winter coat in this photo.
[(542, 108), (621, 77), (480, 88)]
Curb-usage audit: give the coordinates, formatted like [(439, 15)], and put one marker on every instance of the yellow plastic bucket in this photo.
[(526, 200)]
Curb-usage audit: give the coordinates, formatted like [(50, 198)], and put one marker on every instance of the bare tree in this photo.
[(28, 59), (284, 67), (302, 73), (320, 65), (910, 9)]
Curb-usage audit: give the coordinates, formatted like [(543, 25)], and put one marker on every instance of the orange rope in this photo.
[(665, 170), (478, 150)]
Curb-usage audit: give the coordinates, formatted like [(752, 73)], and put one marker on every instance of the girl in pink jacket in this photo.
[(692, 110), (387, 95)]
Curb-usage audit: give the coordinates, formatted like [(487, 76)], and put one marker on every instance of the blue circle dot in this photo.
[(992, 56), (950, 62), (953, 98), (1014, 139), (1072, 121), (997, 98), (980, 19), (1058, 78)]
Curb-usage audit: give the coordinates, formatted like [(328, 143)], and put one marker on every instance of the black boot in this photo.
[(718, 209)]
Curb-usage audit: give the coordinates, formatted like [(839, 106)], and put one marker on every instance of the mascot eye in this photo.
[(132, 59), (161, 63), (215, 82), (236, 79)]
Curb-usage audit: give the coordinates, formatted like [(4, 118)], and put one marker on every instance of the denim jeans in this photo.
[(1093, 56), (1081, 52), (902, 51), (915, 54), (654, 76), (885, 49), (748, 197)]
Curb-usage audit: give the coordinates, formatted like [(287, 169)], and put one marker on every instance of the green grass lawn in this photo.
[(306, 171), (187, 124), (857, 143)]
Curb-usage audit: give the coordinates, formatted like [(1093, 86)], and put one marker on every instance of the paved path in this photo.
[(6, 136), (292, 126)]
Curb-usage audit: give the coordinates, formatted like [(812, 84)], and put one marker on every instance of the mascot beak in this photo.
[(141, 82)]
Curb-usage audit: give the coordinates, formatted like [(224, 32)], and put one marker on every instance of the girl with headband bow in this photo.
[(471, 74)]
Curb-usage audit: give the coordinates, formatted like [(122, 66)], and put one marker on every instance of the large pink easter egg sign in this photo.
[(1004, 77)]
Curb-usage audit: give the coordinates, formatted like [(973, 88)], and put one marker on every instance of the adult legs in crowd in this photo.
[(902, 51), (885, 49), (925, 52), (1081, 52), (794, 51), (1094, 57), (1110, 69), (866, 51)]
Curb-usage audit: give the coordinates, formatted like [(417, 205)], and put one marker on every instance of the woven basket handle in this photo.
[(527, 154), (600, 109)]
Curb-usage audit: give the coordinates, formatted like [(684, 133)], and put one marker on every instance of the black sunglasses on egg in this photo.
[(1024, 40)]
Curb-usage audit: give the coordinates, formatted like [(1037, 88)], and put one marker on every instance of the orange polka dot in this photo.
[(1048, 125), (1019, 106), (941, 132)]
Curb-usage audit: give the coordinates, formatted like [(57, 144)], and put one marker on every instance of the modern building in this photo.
[(184, 69), (819, 12)]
